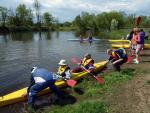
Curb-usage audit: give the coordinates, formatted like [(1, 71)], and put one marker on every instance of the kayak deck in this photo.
[(127, 46), (119, 41), (16, 96), (94, 39)]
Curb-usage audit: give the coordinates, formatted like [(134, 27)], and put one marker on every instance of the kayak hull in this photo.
[(119, 41), (127, 46), (83, 39), (16, 96)]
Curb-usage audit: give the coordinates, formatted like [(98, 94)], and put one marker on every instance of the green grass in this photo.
[(82, 107), (114, 34), (118, 34), (67, 28), (92, 101)]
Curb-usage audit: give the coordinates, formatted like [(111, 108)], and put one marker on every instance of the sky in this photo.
[(67, 10)]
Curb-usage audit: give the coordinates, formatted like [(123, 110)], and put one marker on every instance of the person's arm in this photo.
[(110, 58), (115, 62), (91, 66), (68, 74), (32, 82)]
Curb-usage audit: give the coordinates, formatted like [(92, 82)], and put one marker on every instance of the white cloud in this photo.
[(68, 9)]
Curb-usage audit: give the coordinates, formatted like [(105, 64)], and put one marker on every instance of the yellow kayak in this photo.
[(119, 41), (16, 96), (126, 46)]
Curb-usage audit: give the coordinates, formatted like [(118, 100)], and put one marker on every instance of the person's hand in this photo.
[(78, 64)]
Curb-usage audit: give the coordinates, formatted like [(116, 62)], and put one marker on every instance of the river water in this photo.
[(20, 51)]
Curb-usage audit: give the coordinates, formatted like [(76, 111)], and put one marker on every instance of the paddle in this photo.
[(129, 59), (71, 82), (98, 79), (138, 20)]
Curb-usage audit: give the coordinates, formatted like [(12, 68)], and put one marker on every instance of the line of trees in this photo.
[(108, 21), (23, 17)]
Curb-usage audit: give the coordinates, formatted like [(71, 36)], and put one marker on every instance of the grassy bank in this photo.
[(90, 96), (118, 34)]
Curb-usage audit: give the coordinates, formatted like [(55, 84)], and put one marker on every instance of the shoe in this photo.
[(31, 109), (136, 61)]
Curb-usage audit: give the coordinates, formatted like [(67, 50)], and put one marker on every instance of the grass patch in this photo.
[(82, 107), (91, 99)]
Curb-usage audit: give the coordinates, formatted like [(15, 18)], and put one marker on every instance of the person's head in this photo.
[(109, 51), (136, 30), (33, 69), (87, 56), (141, 30), (62, 63)]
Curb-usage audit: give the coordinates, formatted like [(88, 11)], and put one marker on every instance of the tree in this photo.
[(24, 15), (48, 19), (37, 7), (77, 21), (3, 15), (114, 24)]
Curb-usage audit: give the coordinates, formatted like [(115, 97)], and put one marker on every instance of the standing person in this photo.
[(87, 62), (130, 35), (140, 45), (117, 57), (64, 70), (134, 41), (41, 79)]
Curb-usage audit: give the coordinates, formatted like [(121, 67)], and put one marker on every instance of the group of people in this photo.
[(42, 78), (136, 37)]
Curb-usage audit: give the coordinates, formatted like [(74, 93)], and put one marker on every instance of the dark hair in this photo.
[(141, 30)]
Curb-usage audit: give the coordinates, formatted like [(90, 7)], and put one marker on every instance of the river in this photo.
[(20, 51)]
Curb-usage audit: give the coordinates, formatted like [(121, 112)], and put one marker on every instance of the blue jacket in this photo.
[(142, 37), (42, 75), (119, 54)]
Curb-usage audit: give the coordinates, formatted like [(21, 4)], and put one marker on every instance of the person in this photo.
[(87, 62), (130, 35), (90, 38), (117, 57), (134, 41), (140, 45), (41, 79), (64, 70), (81, 39)]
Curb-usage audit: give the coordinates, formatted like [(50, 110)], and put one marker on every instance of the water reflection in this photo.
[(3, 39), (22, 36)]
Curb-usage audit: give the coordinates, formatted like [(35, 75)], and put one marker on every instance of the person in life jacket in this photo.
[(41, 79), (64, 70), (87, 62), (117, 57), (134, 40), (140, 45)]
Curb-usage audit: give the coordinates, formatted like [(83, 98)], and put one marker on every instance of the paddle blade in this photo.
[(129, 59), (71, 82), (74, 60), (138, 20), (99, 80)]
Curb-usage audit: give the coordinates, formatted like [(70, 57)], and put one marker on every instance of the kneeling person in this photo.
[(117, 57)]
